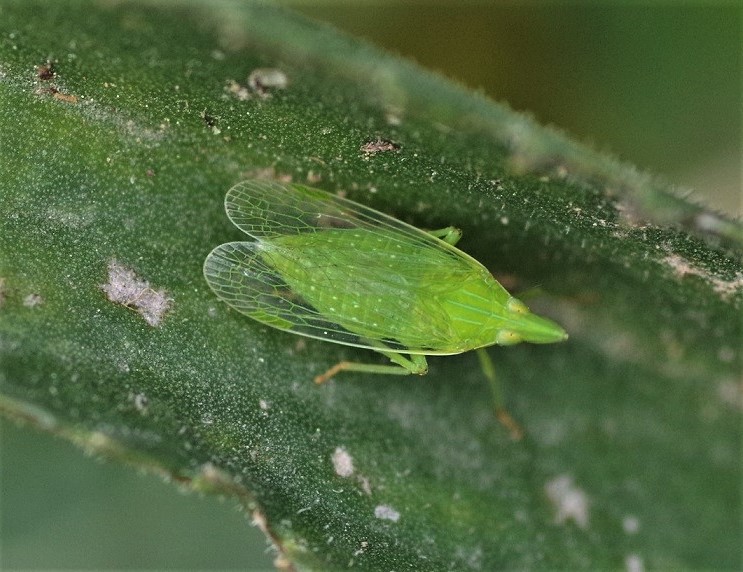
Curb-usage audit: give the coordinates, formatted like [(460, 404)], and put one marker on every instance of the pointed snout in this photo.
[(524, 326), (538, 330)]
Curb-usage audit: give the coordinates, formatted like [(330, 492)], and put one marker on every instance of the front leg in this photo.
[(450, 234)]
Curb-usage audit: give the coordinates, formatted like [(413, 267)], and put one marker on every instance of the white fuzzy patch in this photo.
[(126, 288), (342, 462), (570, 502), (33, 300), (634, 563), (386, 513), (631, 524)]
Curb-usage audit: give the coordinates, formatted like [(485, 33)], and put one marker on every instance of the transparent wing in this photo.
[(236, 272), (265, 209), (303, 247)]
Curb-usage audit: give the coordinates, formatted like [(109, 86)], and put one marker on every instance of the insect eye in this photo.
[(507, 338), (517, 306)]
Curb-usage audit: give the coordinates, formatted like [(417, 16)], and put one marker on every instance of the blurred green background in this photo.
[(659, 86), (656, 85)]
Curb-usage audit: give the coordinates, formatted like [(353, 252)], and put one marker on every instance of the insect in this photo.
[(329, 268)]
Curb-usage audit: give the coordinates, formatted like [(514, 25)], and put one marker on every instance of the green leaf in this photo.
[(123, 125)]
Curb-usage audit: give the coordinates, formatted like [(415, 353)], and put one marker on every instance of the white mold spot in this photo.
[(33, 300), (126, 288), (141, 403), (682, 268), (726, 354), (393, 118), (363, 545), (239, 92), (634, 563), (379, 145), (215, 477), (731, 393), (631, 524), (365, 485), (384, 512), (262, 81), (342, 462), (259, 520), (570, 502)]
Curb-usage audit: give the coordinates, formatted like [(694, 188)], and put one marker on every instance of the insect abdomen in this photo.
[(368, 282)]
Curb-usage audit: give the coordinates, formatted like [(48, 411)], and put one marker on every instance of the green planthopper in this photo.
[(329, 268)]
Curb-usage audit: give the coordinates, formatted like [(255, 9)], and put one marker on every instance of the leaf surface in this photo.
[(123, 125)]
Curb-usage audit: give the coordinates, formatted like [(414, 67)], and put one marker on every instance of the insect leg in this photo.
[(416, 364), (450, 234), (504, 417)]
